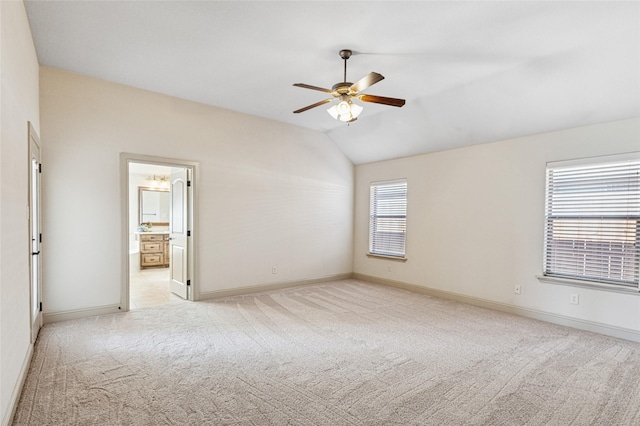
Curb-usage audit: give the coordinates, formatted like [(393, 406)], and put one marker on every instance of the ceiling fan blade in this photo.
[(366, 81), (382, 100), (308, 86), (317, 104)]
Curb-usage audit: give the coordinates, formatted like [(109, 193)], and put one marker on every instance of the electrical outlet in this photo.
[(274, 269), (574, 299), (517, 289)]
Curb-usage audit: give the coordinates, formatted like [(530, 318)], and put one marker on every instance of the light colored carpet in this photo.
[(339, 353)]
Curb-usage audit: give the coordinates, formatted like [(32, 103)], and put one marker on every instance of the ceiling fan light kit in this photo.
[(346, 110)]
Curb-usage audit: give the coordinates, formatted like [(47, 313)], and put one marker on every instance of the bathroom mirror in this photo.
[(153, 205)]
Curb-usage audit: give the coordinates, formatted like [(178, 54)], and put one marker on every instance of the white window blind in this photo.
[(593, 220), (388, 218)]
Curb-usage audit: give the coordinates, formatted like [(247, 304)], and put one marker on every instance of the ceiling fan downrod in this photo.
[(345, 54)]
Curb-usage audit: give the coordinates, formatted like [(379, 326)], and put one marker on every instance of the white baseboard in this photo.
[(80, 313), (17, 389), (218, 294), (596, 327)]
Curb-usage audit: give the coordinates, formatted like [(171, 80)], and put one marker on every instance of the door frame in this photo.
[(35, 323), (126, 159)]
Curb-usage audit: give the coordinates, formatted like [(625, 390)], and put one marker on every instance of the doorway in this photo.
[(159, 195)]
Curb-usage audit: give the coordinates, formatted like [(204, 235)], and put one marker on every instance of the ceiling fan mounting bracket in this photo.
[(345, 54)]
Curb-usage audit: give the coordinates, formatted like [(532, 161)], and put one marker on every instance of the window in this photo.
[(388, 218), (593, 220)]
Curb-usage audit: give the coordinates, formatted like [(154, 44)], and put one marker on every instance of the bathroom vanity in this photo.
[(154, 249)]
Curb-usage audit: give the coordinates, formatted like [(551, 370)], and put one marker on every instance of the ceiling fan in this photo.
[(345, 109)]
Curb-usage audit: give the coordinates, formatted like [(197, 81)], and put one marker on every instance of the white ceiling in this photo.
[(471, 72)]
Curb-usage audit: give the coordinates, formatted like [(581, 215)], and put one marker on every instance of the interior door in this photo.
[(35, 235), (179, 230)]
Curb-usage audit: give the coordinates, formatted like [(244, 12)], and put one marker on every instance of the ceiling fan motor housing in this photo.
[(341, 88)]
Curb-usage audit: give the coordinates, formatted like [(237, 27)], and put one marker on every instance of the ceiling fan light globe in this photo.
[(344, 108), (355, 110), (333, 111)]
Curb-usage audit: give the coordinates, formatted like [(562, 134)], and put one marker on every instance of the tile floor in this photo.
[(150, 287)]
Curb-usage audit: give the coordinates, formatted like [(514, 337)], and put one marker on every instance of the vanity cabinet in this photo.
[(154, 250)]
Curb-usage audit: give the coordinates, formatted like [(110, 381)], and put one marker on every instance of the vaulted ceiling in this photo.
[(471, 72)]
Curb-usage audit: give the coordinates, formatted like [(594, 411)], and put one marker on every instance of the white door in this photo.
[(35, 234), (179, 229)]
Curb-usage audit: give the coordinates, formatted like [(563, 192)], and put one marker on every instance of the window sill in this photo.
[(384, 256), (588, 284)]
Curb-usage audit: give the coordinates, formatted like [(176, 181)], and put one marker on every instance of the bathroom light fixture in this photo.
[(159, 180)]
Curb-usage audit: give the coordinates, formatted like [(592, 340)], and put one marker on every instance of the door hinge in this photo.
[(188, 233), (39, 167), (188, 282), (40, 306), (40, 238), (188, 183)]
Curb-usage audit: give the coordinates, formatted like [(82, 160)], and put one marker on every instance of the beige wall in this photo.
[(475, 219), (18, 106), (269, 193)]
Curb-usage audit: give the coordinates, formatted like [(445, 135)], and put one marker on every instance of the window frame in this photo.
[(378, 251), (591, 281)]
